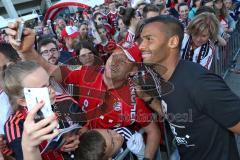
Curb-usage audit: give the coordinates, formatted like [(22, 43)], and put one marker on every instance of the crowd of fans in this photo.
[(88, 60)]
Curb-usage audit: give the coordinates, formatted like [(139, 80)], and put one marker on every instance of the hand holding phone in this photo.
[(20, 29), (34, 96)]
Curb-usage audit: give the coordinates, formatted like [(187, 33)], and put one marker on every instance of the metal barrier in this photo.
[(226, 56)]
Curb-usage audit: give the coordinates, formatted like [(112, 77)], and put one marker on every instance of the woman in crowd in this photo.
[(197, 45), (195, 6), (222, 36), (99, 20), (106, 46), (223, 15), (121, 32), (83, 30), (29, 74), (88, 55), (130, 19)]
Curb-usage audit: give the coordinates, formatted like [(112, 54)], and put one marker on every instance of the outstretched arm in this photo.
[(26, 50)]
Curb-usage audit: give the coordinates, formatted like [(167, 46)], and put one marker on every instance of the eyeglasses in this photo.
[(46, 52)]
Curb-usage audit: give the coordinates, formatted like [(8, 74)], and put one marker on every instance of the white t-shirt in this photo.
[(5, 110)]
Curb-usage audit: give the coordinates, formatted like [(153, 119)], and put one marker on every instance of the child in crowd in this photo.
[(28, 74)]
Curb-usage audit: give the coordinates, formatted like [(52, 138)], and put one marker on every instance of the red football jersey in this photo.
[(106, 50), (130, 36), (120, 106), (112, 18)]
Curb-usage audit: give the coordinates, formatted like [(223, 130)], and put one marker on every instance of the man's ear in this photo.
[(21, 102), (173, 42)]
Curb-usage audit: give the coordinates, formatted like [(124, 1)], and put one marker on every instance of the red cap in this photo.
[(132, 52), (70, 31)]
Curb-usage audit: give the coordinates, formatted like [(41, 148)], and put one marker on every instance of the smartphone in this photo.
[(34, 96), (20, 31)]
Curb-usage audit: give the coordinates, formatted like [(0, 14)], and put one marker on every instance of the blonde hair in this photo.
[(204, 21), (13, 76)]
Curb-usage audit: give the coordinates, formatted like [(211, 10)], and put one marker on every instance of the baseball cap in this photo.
[(132, 52), (70, 31)]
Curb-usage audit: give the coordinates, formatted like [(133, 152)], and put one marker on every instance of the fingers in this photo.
[(13, 25), (71, 143), (27, 42), (2, 142), (44, 122), (33, 112), (69, 149), (49, 136), (44, 131), (10, 32)]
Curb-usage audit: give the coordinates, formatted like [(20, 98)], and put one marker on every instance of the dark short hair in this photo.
[(9, 52), (182, 4), (150, 8), (95, 15), (88, 45), (92, 146), (127, 15), (44, 42), (173, 26)]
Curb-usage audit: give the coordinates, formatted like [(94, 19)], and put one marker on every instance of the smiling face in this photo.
[(183, 12), (118, 66), (154, 45), (113, 140)]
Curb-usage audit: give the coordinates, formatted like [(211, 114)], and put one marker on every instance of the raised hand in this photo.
[(28, 39)]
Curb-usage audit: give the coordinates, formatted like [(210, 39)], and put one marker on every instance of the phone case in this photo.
[(35, 95)]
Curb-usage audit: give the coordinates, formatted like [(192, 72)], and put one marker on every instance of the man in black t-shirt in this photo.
[(202, 111)]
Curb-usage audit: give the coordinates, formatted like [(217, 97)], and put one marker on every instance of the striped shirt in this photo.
[(130, 36), (14, 128), (126, 134), (202, 55)]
